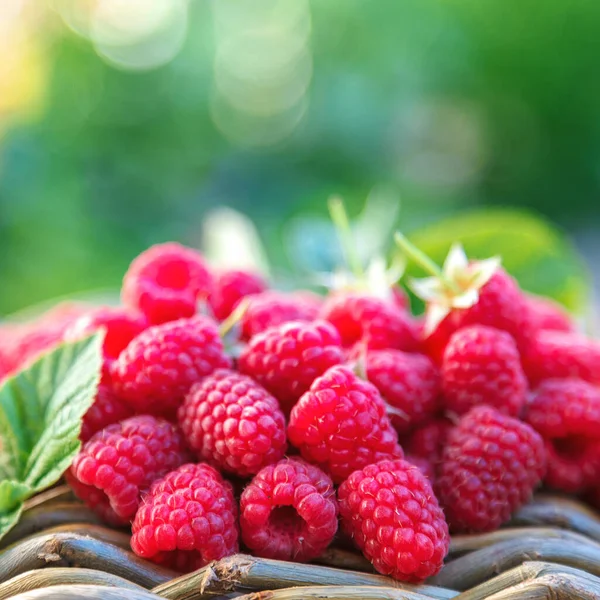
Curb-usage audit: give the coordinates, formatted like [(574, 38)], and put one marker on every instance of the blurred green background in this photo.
[(122, 122)]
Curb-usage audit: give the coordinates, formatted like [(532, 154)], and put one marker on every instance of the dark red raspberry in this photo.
[(408, 382), (501, 305), (275, 308), (119, 463), (490, 466), (428, 441), (289, 512), (187, 520), (287, 358), (161, 364), (369, 320), (482, 365), (566, 413), (230, 287), (556, 354), (120, 325), (341, 424), (233, 423), (106, 410), (544, 313), (427, 467), (392, 514), (166, 282)]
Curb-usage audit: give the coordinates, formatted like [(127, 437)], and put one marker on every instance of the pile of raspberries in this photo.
[(314, 412)]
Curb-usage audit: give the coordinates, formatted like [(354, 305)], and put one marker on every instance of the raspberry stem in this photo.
[(339, 216)]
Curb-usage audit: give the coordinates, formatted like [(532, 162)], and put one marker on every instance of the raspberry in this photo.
[(341, 425), (106, 410), (428, 441), (121, 327), (371, 320), (425, 466), (287, 358), (408, 382), (482, 365), (289, 511), (230, 287), (556, 354), (233, 423), (187, 519), (566, 413), (393, 516), (275, 308), (501, 305), (490, 466), (544, 313), (166, 282), (160, 365), (118, 464)]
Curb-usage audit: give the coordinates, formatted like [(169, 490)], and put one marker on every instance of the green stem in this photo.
[(342, 225), (418, 256)]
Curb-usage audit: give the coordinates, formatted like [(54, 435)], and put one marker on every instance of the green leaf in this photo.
[(536, 253), (12, 495), (41, 409)]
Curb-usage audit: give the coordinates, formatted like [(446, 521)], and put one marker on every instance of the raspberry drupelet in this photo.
[(489, 468), (287, 358), (409, 383), (188, 519), (482, 365), (276, 308), (233, 423), (230, 287), (166, 282), (106, 410), (566, 413), (289, 511), (119, 463), (559, 354), (341, 424), (369, 320), (545, 313), (392, 514), (160, 365)]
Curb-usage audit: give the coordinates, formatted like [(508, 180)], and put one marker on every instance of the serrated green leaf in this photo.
[(41, 410), (12, 495), (535, 252)]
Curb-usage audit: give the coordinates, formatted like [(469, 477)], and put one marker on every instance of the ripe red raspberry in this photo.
[(482, 365), (161, 364), (392, 514), (230, 287), (106, 410), (187, 519), (428, 441), (120, 325), (566, 413), (118, 464), (275, 308), (166, 282), (544, 313), (289, 512), (287, 358), (490, 466), (341, 424), (367, 319), (501, 305), (26, 341), (408, 382), (233, 423), (556, 354)]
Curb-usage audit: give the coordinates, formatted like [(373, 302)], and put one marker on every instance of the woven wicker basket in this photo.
[(59, 550)]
